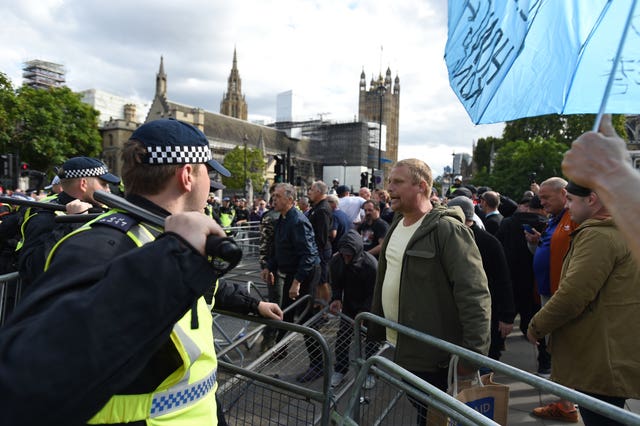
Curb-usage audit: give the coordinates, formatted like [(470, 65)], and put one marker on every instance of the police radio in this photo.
[(223, 252)]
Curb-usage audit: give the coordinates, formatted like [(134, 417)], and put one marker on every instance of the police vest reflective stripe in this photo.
[(187, 396), (29, 213)]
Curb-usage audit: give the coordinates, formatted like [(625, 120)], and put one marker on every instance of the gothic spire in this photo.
[(161, 80)]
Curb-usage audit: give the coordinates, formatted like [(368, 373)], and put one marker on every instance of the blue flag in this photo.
[(509, 59)]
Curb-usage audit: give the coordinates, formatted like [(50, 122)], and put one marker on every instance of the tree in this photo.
[(53, 125), (518, 159), (234, 161), (46, 127), (8, 103), (561, 128)]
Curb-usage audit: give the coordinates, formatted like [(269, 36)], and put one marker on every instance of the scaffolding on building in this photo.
[(42, 74)]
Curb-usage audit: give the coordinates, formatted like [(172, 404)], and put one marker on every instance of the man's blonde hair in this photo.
[(418, 170)]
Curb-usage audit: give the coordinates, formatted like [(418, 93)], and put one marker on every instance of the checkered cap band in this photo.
[(171, 154), (78, 173)]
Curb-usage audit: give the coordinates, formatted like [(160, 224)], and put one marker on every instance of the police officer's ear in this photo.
[(83, 183), (186, 175)]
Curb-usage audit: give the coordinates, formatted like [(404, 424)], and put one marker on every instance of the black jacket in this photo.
[(321, 218), (353, 284), (295, 247), (519, 258), (497, 271), (98, 323)]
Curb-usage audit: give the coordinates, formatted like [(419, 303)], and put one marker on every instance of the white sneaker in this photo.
[(369, 382), (336, 379)]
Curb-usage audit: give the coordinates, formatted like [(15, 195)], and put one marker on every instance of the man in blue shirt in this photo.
[(341, 223)]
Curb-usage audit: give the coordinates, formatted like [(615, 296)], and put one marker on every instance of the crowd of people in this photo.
[(562, 257)]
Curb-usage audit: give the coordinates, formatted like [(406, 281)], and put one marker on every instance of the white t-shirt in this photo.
[(351, 207), (391, 285)]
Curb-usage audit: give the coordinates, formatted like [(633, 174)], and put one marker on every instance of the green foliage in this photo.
[(7, 110), (482, 153), (530, 145), (46, 127), (234, 161), (517, 159), (562, 128)]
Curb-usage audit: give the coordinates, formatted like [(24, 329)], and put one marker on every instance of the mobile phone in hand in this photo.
[(528, 228)]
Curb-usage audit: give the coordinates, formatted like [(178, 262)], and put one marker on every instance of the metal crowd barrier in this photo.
[(248, 239), (608, 410), (10, 287), (265, 391)]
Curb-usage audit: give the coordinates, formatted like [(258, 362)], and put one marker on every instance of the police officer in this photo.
[(79, 178), (119, 332)]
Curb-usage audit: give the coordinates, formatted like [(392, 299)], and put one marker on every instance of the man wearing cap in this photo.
[(54, 187), (79, 177), (118, 330), (594, 316), (457, 183), (227, 212)]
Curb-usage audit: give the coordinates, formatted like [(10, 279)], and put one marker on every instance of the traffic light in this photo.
[(364, 179), (7, 165), (292, 172), (24, 169), (278, 169), (372, 185)]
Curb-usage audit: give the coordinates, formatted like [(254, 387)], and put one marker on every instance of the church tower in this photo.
[(233, 103), (382, 97)]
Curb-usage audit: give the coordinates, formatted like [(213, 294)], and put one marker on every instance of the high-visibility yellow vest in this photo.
[(226, 219), (187, 396)]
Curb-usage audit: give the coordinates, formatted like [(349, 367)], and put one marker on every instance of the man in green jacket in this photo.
[(594, 316), (430, 278)]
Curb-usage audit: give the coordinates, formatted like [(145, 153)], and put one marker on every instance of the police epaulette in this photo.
[(119, 221)]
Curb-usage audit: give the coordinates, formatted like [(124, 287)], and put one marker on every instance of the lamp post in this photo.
[(244, 140), (453, 163), (381, 89), (344, 172)]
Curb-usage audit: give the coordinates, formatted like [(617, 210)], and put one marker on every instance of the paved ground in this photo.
[(523, 398)]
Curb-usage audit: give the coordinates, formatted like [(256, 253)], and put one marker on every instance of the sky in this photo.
[(315, 48)]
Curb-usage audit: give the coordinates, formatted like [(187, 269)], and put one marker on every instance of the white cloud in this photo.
[(318, 49)]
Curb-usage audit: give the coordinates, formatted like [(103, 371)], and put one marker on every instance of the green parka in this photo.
[(443, 291)]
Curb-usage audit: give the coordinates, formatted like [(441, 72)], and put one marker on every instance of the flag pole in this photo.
[(603, 104)]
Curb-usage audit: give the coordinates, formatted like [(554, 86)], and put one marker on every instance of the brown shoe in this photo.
[(556, 411)]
